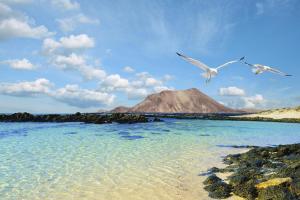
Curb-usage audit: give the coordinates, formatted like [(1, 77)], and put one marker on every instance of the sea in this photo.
[(145, 161)]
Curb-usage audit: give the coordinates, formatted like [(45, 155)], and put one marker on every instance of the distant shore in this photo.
[(77, 117), (101, 118)]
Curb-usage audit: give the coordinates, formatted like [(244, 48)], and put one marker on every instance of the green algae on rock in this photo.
[(263, 173)]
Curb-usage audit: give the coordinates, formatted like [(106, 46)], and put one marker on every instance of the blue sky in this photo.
[(72, 55)]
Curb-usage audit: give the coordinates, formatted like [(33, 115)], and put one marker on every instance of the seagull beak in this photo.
[(242, 58)]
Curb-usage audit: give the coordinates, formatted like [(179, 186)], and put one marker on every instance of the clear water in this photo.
[(152, 161)]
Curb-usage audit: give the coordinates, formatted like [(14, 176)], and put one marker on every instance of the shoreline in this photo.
[(259, 173), (102, 118), (77, 117)]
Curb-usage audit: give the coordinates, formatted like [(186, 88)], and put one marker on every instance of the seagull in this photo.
[(258, 69), (209, 72)]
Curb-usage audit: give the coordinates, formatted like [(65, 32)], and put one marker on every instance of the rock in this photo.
[(211, 179), (269, 173), (273, 182), (246, 190), (156, 119), (295, 187), (280, 192), (218, 190), (77, 117)]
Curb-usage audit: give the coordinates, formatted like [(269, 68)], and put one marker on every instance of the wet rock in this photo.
[(273, 182), (269, 173), (280, 192), (211, 179), (156, 119), (295, 187), (77, 117), (246, 190), (219, 190)]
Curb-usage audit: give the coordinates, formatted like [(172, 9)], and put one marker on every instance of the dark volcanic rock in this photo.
[(211, 179), (263, 173), (77, 117), (218, 190), (280, 192)]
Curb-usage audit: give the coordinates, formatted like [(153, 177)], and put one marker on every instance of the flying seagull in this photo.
[(209, 72), (258, 69)]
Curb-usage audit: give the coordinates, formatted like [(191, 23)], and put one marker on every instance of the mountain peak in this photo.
[(181, 101)]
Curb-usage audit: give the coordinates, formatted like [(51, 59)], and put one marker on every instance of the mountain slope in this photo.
[(182, 101)]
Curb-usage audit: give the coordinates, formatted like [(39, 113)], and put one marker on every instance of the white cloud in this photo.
[(162, 88), (16, 24), (128, 69), (50, 46), (90, 72), (136, 93), (149, 82), (60, 56), (76, 62), (75, 96), (40, 86), (69, 24), (73, 42), (231, 91), (66, 4), (70, 61), (253, 101), (22, 64), (114, 82), (12, 27), (70, 94)]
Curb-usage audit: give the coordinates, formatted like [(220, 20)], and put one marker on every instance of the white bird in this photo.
[(258, 69), (209, 72)]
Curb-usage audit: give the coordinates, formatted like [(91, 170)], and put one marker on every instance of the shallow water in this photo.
[(151, 161)]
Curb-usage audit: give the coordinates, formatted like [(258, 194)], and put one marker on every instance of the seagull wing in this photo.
[(276, 71), (194, 62), (251, 65), (228, 63)]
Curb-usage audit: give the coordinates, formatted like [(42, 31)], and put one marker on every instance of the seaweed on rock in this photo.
[(262, 173)]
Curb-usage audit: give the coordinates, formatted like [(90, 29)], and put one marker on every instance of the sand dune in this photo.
[(292, 113)]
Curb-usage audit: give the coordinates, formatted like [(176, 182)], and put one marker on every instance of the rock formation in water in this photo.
[(262, 173), (77, 117)]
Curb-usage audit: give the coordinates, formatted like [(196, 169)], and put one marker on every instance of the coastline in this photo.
[(103, 118), (259, 173)]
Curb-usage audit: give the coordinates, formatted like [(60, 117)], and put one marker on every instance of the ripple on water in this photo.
[(160, 165)]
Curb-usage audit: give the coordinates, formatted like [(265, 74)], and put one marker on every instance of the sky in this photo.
[(64, 56)]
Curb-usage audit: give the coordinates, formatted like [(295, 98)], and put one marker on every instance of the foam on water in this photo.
[(122, 162)]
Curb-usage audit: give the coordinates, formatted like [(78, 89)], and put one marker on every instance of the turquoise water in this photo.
[(64, 161)]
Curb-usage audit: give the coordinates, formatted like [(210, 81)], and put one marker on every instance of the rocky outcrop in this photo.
[(77, 117), (263, 173)]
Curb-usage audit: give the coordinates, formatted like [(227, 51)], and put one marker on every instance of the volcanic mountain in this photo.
[(181, 101)]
